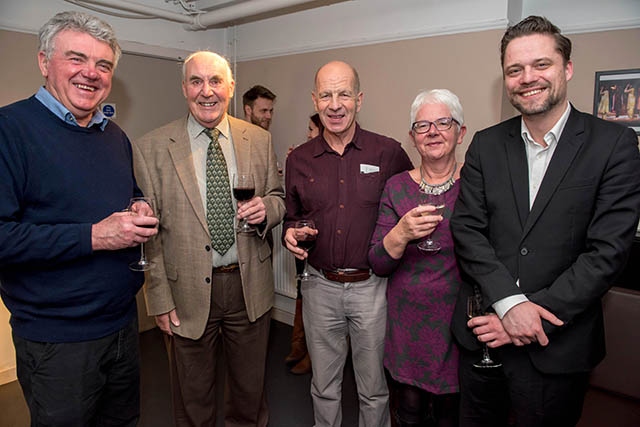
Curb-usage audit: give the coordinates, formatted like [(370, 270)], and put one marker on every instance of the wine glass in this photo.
[(474, 308), (243, 189), (135, 204), (436, 200), (306, 240)]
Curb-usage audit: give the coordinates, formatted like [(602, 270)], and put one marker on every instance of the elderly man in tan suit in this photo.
[(211, 285)]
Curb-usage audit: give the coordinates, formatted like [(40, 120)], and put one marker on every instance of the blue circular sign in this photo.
[(108, 110)]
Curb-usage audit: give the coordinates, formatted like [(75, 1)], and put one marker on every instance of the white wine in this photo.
[(439, 209)]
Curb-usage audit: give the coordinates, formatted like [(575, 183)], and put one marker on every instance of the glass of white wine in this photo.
[(436, 200), (474, 308), (135, 204)]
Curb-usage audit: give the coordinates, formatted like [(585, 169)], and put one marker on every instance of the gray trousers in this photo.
[(333, 311)]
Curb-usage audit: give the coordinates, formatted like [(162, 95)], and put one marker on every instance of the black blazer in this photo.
[(568, 250)]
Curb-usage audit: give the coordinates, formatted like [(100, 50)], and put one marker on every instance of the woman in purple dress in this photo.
[(420, 354)]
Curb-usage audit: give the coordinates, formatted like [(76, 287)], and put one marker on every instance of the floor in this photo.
[(289, 400)]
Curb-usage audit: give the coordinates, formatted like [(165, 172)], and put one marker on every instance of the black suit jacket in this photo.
[(568, 249)]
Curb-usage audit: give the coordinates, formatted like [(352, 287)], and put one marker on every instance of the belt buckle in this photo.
[(226, 268)]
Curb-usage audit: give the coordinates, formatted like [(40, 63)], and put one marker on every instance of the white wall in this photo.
[(349, 23)]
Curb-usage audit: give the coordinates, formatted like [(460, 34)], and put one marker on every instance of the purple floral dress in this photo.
[(421, 294)]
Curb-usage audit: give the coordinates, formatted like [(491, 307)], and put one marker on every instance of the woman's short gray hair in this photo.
[(438, 96), (82, 23)]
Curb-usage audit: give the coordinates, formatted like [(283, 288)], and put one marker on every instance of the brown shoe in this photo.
[(303, 366), (298, 344)]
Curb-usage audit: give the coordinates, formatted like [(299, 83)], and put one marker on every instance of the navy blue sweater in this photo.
[(56, 180)]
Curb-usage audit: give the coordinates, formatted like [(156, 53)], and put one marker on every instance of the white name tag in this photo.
[(364, 168)]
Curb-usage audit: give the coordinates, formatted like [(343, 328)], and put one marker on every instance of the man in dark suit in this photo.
[(205, 291), (544, 223)]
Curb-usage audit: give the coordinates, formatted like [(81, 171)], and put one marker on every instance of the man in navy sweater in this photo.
[(65, 243)]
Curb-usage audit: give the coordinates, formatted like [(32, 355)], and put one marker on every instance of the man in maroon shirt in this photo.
[(336, 180)]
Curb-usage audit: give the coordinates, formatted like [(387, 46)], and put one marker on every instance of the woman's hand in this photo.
[(415, 224)]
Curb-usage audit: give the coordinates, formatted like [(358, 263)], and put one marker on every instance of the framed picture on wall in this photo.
[(616, 97)]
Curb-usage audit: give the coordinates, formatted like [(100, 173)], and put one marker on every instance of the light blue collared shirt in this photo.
[(63, 113)]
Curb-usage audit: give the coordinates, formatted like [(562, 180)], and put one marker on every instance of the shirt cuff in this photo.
[(505, 304)]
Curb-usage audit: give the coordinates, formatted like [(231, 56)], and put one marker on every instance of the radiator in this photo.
[(284, 266)]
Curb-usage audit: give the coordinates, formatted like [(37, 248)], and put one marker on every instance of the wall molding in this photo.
[(8, 375)]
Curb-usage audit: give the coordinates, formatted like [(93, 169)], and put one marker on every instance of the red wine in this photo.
[(307, 244), (243, 193)]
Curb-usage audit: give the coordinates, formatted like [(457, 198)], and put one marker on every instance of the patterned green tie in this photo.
[(219, 205)]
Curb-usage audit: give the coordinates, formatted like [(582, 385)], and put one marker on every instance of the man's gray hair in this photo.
[(82, 23), (218, 58)]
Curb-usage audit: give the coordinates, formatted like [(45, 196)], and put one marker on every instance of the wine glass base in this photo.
[(487, 364), (141, 266), (244, 227), (304, 277), (429, 248)]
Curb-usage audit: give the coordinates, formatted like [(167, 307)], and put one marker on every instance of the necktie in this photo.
[(219, 205)]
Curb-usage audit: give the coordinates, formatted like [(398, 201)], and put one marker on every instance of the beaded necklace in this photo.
[(437, 188)]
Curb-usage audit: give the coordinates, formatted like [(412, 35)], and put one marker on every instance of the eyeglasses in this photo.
[(443, 123)]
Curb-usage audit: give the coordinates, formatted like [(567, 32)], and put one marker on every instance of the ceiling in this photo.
[(202, 14)]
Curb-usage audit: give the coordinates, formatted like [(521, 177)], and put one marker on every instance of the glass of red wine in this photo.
[(243, 189), (135, 205), (306, 240)]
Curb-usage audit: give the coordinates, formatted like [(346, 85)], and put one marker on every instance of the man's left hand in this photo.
[(523, 323)]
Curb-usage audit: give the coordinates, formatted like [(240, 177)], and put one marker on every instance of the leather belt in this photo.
[(347, 275), (226, 268)]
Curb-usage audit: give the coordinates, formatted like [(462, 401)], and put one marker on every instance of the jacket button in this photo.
[(207, 248), (207, 279), (524, 251)]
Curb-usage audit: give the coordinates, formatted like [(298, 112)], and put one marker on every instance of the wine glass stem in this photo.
[(485, 353), (142, 256)]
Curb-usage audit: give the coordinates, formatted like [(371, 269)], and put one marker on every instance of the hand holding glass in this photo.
[(474, 308), (436, 200), (243, 189), (305, 240), (135, 206)]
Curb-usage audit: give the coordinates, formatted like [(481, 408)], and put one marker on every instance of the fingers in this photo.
[(550, 317), (254, 210), (488, 329), (292, 244), (523, 323), (162, 320), (173, 316)]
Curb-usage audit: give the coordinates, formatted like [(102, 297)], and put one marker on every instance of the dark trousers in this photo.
[(517, 393), (415, 407), (192, 363), (92, 383)]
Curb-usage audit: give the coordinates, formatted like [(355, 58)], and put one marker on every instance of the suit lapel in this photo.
[(568, 146), (241, 145), (180, 151), (518, 169)]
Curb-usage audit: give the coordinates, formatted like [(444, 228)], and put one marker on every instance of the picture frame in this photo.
[(616, 97)]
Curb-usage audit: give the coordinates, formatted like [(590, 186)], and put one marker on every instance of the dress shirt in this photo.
[(341, 194), (199, 145), (63, 113), (538, 158)]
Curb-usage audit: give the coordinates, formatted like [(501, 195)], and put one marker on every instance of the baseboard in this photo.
[(282, 316), (8, 375)]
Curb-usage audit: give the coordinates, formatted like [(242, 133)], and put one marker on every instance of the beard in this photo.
[(534, 108), (263, 123)]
